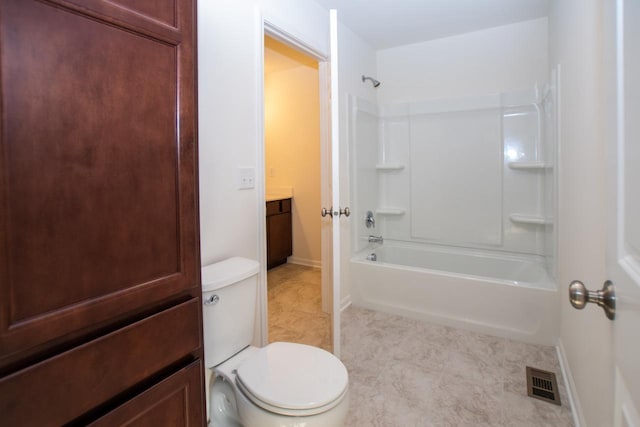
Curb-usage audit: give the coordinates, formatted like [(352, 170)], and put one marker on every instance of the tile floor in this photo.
[(404, 372), (295, 306)]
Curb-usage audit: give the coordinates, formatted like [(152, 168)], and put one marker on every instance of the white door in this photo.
[(335, 181), (331, 195), (623, 251)]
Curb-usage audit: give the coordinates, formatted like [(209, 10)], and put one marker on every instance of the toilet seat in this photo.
[(293, 379)]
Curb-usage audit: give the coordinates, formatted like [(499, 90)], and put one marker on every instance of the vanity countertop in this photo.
[(279, 194)]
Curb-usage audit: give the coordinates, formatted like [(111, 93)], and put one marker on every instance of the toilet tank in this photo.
[(229, 291)]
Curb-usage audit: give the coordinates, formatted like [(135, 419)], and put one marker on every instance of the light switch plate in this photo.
[(246, 178)]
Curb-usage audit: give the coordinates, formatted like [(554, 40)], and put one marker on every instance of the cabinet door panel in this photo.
[(280, 244), (273, 207), (58, 390), (98, 169), (160, 10), (174, 402)]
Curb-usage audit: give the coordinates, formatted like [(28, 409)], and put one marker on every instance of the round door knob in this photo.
[(580, 296), (324, 212), (346, 212)]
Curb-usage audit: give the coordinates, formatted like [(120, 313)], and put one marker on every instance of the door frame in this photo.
[(269, 28)]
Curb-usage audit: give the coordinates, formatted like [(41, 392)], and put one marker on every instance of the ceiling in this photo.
[(388, 23)]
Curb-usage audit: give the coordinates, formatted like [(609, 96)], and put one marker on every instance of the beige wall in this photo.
[(292, 142)]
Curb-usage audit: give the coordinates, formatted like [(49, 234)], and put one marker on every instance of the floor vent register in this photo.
[(542, 385)]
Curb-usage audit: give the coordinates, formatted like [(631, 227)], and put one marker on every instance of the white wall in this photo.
[(575, 44), (499, 59), (229, 55), (355, 58), (292, 149)]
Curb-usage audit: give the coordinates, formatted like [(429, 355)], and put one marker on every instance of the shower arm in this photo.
[(374, 82)]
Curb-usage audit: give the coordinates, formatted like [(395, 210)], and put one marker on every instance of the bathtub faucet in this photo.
[(375, 239)]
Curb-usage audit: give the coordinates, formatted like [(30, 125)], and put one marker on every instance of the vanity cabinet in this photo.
[(279, 235), (100, 296)]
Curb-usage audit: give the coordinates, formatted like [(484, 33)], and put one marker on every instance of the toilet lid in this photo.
[(294, 377)]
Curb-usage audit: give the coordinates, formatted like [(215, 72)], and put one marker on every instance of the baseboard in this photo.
[(346, 302), (570, 385), (305, 262)]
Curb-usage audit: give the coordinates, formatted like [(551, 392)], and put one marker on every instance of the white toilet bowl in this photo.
[(280, 385)]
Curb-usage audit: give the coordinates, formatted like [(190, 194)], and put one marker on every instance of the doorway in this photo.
[(292, 166)]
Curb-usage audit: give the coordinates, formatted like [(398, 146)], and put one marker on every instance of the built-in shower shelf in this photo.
[(529, 219), (389, 167), (529, 165), (390, 211)]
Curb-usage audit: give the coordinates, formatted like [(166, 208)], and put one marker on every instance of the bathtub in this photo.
[(504, 295)]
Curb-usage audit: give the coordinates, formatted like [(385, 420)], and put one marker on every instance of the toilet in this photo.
[(280, 385)]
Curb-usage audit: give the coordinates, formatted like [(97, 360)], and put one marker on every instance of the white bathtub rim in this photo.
[(456, 250), (539, 260), (546, 285)]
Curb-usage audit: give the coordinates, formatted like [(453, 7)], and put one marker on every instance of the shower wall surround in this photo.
[(474, 172)]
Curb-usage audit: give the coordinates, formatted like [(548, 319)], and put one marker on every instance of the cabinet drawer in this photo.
[(173, 402), (60, 389), (273, 207), (278, 206), (285, 205)]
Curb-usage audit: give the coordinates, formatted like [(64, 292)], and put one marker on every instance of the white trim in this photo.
[(305, 262), (282, 35), (263, 312), (558, 181), (570, 386), (620, 250), (557, 74), (335, 177), (345, 303)]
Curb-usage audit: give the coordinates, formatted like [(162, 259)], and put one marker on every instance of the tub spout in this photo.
[(375, 239)]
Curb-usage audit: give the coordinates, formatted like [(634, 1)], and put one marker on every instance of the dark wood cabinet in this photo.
[(99, 262), (98, 370), (172, 402), (279, 235)]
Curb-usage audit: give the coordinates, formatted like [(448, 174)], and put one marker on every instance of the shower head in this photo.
[(373, 81)]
